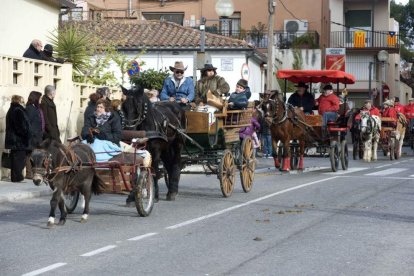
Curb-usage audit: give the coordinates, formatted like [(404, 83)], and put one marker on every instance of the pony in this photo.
[(370, 132), (164, 123), (395, 142), (65, 169), (286, 123)]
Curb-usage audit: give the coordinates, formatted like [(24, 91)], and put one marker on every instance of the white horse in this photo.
[(370, 135)]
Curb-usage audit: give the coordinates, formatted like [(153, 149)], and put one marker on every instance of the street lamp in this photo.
[(382, 57), (224, 8)]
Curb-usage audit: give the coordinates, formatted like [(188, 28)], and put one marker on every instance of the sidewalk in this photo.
[(11, 192)]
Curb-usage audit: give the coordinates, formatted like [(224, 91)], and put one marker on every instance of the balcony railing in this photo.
[(281, 39), (366, 40)]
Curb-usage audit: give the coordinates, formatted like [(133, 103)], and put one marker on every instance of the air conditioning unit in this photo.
[(294, 28)]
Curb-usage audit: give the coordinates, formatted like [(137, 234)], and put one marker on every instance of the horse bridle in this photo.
[(45, 170), (274, 107), (137, 121)]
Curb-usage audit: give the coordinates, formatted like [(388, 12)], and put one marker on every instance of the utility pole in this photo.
[(270, 39)]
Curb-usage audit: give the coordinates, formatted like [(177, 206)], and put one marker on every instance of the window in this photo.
[(358, 20), (230, 26), (170, 17)]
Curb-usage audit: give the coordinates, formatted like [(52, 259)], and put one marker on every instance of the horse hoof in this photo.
[(171, 196), (84, 218), (50, 225), (62, 222)]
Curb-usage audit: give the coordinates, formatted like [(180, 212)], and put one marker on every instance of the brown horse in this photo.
[(286, 124)]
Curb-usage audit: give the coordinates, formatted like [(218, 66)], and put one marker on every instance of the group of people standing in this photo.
[(27, 126)]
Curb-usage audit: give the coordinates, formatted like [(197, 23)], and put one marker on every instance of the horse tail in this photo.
[(98, 185)]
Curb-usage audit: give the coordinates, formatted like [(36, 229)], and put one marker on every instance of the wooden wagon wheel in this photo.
[(227, 173), (248, 164), (334, 156), (144, 192), (71, 201), (344, 155)]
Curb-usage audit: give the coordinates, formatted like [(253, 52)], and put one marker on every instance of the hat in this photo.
[(242, 83), (302, 84), (389, 103), (208, 66), (48, 48), (178, 65), (328, 87)]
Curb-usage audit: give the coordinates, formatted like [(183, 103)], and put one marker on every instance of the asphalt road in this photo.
[(355, 222)]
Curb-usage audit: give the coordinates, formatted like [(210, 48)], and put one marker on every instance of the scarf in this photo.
[(101, 119)]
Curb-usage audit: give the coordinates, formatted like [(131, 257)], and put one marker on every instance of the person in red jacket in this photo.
[(389, 111), (328, 105), (368, 107), (409, 112), (398, 106)]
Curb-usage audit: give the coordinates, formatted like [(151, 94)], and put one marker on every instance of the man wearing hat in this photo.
[(409, 112), (178, 88), (389, 111), (302, 99), (210, 81), (47, 54), (328, 106)]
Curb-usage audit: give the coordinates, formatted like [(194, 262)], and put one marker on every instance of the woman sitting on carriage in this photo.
[(389, 111), (103, 130)]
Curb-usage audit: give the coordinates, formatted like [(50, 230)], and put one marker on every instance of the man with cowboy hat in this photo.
[(302, 99), (210, 81), (178, 88)]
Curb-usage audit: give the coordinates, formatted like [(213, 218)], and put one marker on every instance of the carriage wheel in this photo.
[(248, 164), (71, 200), (144, 193), (392, 148), (344, 155), (227, 175), (334, 155), (294, 156)]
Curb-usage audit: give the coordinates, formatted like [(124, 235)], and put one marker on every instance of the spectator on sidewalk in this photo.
[(37, 126), (47, 54), (35, 50), (90, 109), (17, 136), (49, 111)]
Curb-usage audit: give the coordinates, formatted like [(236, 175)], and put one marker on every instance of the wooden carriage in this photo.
[(213, 142)]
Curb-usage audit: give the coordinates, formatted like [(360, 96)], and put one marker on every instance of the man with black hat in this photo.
[(302, 99), (210, 81), (328, 106), (47, 54), (178, 88)]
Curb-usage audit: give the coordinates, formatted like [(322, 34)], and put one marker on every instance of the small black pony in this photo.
[(65, 169), (163, 122)]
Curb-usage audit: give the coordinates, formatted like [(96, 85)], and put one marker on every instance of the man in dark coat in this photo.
[(49, 111), (35, 50), (17, 137), (302, 99), (47, 54)]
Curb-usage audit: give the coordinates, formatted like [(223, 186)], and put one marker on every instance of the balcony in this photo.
[(366, 41)]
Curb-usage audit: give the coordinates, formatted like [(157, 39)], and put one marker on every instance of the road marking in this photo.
[(45, 269), (379, 167), (412, 175), (97, 251), (386, 172), (273, 169), (246, 204), (385, 177), (137, 238), (350, 170)]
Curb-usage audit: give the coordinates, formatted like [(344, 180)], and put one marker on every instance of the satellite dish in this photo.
[(292, 26)]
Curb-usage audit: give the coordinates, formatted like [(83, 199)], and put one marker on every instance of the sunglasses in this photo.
[(179, 72)]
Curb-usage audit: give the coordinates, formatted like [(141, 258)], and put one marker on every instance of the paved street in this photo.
[(355, 222)]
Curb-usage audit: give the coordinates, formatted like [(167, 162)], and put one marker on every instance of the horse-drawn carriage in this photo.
[(213, 142), (333, 141), (71, 170)]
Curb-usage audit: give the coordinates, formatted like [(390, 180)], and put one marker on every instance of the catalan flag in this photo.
[(359, 39), (391, 39)]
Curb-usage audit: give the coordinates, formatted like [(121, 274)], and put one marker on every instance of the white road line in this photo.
[(379, 167), (137, 238), (350, 170), (245, 204), (45, 269), (273, 169), (412, 175), (97, 251), (384, 177), (386, 172)]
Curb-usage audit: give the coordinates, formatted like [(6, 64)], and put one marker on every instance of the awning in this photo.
[(314, 76)]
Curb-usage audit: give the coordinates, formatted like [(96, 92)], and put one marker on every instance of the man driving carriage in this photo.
[(302, 99)]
